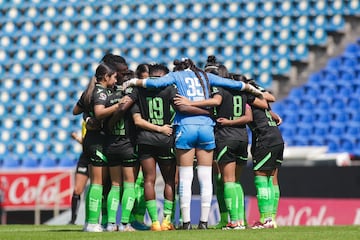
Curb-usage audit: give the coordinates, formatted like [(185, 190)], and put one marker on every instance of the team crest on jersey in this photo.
[(102, 96), (129, 90)]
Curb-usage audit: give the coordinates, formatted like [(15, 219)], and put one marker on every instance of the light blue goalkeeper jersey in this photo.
[(188, 85)]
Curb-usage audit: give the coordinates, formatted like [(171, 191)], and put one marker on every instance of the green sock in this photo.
[(140, 206), (104, 211), (127, 202), (173, 212), (152, 210), (94, 200), (263, 198), (87, 205), (241, 204), (231, 200), (221, 199), (168, 208), (113, 201), (276, 201)]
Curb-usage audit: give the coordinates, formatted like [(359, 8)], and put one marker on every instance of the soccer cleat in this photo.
[(268, 223), (234, 226), (111, 227), (155, 226), (93, 227), (220, 225), (257, 225), (202, 225), (140, 226), (186, 226), (126, 227), (166, 225)]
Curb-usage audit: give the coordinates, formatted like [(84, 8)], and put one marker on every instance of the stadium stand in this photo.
[(49, 50)]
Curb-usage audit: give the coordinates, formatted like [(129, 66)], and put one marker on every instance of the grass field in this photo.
[(66, 232)]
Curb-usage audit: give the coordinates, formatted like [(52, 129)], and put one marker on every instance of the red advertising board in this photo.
[(27, 189), (311, 211)]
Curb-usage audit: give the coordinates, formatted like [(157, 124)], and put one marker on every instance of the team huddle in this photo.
[(138, 120)]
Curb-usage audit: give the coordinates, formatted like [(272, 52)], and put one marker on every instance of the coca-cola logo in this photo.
[(21, 192), (24, 189), (305, 216)]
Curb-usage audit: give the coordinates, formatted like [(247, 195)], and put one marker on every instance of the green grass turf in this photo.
[(66, 232)]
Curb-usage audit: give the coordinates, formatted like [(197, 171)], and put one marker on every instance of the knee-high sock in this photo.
[(221, 200), (75, 204), (186, 175), (94, 200), (276, 195), (231, 200), (206, 190), (263, 197), (168, 209), (152, 210), (113, 201), (140, 205), (240, 194), (127, 201)]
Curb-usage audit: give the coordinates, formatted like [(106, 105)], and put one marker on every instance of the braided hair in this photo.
[(187, 63)]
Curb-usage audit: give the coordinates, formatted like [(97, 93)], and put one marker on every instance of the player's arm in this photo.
[(210, 102), (244, 119), (276, 117), (142, 123)]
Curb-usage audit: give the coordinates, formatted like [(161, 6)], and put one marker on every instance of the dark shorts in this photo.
[(82, 166), (231, 151), (160, 154), (268, 158), (93, 148), (120, 151)]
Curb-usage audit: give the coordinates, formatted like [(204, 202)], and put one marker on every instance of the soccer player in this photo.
[(194, 133), (94, 101), (267, 151), (122, 160), (153, 114)]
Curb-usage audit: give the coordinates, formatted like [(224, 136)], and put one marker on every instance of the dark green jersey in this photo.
[(232, 107), (264, 129), (124, 127), (155, 106)]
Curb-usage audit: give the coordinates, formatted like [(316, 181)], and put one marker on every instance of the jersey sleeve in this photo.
[(160, 82), (132, 93), (134, 109), (100, 97), (225, 82)]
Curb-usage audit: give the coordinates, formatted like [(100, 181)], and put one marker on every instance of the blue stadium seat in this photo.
[(319, 37), (335, 22), (320, 8), (346, 145), (282, 50), (337, 7), (285, 22), (267, 8), (30, 162), (284, 36), (251, 9), (302, 8), (302, 22), (265, 65), (300, 52), (48, 161), (11, 161), (67, 161), (315, 78)]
